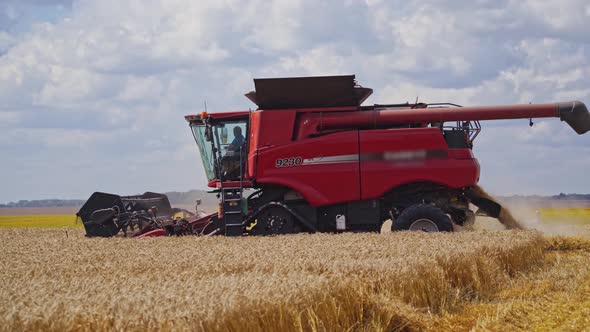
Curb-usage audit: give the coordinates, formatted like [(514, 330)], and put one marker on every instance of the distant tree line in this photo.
[(572, 196), (561, 196)]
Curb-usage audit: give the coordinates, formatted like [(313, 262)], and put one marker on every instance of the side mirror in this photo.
[(223, 135)]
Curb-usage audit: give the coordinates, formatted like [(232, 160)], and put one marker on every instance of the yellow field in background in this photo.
[(39, 221), (565, 215)]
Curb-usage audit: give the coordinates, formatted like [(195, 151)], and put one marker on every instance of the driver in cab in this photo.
[(237, 142), (231, 160)]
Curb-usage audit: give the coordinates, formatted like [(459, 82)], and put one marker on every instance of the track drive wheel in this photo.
[(423, 217), (275, 220)]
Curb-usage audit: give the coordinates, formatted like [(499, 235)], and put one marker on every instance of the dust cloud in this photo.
[(505, 217), (527, 215)]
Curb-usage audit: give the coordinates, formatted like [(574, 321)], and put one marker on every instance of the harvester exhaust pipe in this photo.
[(576, 115)]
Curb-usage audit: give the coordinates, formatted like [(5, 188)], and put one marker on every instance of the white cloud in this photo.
[(114, 79), (141, 88), (6, 41), (58, 138), (9, 118), (69, 87), (278, 31)]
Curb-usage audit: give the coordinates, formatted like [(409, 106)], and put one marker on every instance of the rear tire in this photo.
[(423, 217)]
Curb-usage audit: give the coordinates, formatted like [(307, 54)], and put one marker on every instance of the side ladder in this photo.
[(231, 202)]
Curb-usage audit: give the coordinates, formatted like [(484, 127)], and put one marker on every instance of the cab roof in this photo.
[(198, 118)]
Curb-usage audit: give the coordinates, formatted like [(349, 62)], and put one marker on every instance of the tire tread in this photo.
[(419, 211)]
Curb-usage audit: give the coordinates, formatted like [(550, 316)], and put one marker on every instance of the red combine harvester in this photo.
[(312, 159)]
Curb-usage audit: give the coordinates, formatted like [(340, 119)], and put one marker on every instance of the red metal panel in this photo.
[(392, 157), (154, 233), (254, 135), (460, 154), (326, 173), (276, 128), (268, 128)]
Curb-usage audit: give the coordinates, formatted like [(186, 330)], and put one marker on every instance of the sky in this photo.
[(93, 93)]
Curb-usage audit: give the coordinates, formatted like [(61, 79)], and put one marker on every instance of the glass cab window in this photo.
[(205, 150), (223, 149)]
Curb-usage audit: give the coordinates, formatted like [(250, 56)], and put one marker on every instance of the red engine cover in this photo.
[(364, 164), (393, 157), (325, 170)]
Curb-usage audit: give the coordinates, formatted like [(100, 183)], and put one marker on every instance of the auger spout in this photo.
[(574, 113)]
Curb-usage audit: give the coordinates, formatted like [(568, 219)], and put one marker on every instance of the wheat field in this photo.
[(39, 221), (55, 279)]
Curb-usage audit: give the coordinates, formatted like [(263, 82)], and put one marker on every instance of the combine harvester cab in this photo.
[(313, 159)]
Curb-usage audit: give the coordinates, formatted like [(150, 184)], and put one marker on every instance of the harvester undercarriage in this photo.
[(276, 211)]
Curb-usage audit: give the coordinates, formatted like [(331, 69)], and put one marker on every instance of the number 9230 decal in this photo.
[(288, 162)]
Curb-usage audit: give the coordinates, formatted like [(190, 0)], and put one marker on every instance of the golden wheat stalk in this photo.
[(301, 282)]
